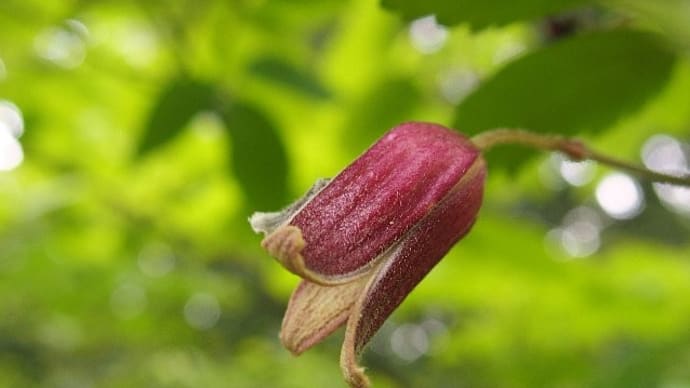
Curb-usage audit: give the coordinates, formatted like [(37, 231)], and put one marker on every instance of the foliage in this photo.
[(153, 129)]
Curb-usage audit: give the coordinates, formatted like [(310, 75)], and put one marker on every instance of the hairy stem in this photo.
[(574, 149)]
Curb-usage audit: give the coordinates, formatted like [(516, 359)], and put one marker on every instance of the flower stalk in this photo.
[(574, 149)]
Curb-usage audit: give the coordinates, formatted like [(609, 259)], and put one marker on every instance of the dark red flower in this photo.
[(365, 239)]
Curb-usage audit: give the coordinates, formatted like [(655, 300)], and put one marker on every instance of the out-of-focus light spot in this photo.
[(508, 51), (409, 342), (11, 116), (676, 197), (558, 170), (427, 35), (620, 196), (577, 173), (128, 301), (580, 239), (65, 46), (11, 154), (434, 327), (78, 28), (202, 311), (579, 235), (156, 260), (456, 85), (584, 214), (663, 153)]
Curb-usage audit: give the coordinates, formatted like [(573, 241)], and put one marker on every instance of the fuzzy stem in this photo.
[(574, 149)]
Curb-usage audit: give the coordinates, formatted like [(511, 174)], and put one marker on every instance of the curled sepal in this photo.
[(408, 263), (283, 241), (315, 311)]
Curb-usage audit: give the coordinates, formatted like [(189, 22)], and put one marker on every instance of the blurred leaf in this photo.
[(259, 160), (278, 71), (668, 17), (177, 103), (480, 14), (583, 84), (387, 105)]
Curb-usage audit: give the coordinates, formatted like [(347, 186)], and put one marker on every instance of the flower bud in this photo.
[(365, 239)]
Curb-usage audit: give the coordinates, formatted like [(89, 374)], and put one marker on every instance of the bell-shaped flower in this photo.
[(363, 240)]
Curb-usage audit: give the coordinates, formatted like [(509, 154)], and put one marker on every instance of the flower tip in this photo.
[(354, 374), (288, 340), (258, 222)]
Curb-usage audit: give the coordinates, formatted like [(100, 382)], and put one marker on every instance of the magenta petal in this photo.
[(418, 252), (376, 200)]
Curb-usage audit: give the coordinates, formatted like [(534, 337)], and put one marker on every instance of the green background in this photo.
[(154, 129)]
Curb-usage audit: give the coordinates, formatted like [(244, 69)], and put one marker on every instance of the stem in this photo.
[(574, 149)]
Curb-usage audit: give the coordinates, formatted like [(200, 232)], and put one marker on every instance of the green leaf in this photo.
[(582, 84), (282, 73), (258, 156), (386, 105), (178, 102), (480, 14), (669, 17)]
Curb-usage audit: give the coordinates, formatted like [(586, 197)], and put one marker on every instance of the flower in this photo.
[(363, 240)]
